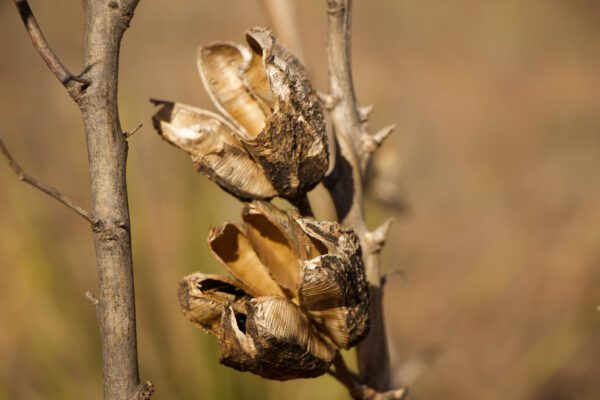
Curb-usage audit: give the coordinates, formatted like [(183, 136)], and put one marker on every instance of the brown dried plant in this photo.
[(299, 291)]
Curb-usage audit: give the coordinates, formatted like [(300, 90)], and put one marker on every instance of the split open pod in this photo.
[(297, 293), (270, 138)]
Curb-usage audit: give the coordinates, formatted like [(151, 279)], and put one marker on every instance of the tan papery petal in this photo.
[(235, 252), (275, 340), (222, 67), (211, 142), (203, 299)]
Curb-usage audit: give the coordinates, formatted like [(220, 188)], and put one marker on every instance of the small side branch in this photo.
[(359, 391), (49, 190), (144, 391), (41, 45)]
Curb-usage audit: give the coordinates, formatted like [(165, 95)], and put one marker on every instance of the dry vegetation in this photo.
[(497, 105)]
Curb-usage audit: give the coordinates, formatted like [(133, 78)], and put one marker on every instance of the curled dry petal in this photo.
[(231, 247), (204, 297), (223, 67), (278, 241), (214, 148), (274, 340)]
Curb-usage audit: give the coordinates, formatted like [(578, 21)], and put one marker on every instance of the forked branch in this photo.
[(71, 82)]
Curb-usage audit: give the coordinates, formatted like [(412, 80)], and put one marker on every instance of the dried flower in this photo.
[(271, 139), (298, 293)]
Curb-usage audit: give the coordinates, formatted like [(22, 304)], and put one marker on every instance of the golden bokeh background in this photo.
[(494, 257)]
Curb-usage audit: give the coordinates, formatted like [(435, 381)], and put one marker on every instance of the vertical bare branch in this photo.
[(354, 145), (105, 24)]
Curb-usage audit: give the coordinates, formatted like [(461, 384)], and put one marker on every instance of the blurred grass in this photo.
[(498, 108)]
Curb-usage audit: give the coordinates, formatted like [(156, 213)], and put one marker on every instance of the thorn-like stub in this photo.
[(370, 143), (375, 240), (130, 133), (329, 101), (92, 299), (364, 112), (144, 391)]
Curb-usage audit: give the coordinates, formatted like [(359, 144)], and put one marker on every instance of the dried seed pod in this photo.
[(272, 139), (309, 293), (214, 149)]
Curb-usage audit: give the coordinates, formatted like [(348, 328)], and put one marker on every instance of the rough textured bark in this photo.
[(354, 147), (95, 92), (105, 24)]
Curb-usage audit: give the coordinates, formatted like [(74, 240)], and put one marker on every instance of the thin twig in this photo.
[(130, 133), (49, 190), (41, 45), (92, 299)]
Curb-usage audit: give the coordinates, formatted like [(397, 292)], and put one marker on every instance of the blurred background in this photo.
[(492, 176)]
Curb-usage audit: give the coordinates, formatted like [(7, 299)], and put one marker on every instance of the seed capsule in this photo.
[(298, 295), (271, 138)]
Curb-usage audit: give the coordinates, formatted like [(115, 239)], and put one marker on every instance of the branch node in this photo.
[(144, 391), (70, 82), (329, 101), (335, 7), (359, 390), (364, 112)]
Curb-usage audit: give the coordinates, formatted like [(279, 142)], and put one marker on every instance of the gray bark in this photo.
[(95, 92)]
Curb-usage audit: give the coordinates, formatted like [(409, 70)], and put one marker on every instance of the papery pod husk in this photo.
[(335, 294), (278, 241), (214, 148), (333, 287), (231, 247), (230, 72), (293, 146), (204, 297), (290, 141), (274, 340)]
